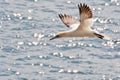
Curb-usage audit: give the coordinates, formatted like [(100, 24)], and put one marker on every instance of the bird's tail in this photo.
[(106, 38), (101, 36)]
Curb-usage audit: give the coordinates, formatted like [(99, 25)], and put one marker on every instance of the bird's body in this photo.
[(80, 28)]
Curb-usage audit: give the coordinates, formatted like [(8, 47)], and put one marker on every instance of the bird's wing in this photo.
[(68, 20), (85, 15)]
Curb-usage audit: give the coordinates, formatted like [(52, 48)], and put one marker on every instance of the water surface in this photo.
[(27, 54)]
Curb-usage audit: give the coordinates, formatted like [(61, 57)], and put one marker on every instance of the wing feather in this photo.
[(84, 11), (68, 20), (85, 16)]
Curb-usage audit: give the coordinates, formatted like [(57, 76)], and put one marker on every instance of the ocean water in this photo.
[(26, 53)]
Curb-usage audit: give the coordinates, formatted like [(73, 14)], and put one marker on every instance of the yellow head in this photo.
[(59, 35)]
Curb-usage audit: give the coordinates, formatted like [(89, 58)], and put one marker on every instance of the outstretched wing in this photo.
[(68, 20), (84, 11)]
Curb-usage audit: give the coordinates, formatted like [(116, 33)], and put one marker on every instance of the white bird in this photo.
[(80, 28)]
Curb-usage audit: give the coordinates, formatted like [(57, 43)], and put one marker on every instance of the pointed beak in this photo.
[(57, 36)]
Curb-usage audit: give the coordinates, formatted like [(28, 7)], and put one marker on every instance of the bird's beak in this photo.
[(57, 36)]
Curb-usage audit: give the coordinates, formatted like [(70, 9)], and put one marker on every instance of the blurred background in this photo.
[(26, 53)]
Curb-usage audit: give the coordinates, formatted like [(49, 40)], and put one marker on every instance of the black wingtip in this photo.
[(81, 5), (99, 35), (60, 15)]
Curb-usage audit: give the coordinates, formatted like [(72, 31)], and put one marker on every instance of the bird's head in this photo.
[(59, 35)]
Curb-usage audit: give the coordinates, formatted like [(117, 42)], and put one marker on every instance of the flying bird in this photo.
[(80, 28)]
